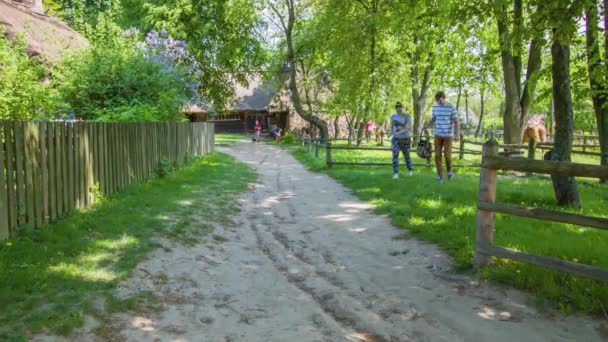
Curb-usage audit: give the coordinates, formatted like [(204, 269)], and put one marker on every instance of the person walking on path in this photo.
[(447, 129), (258, 130), (401, 130)]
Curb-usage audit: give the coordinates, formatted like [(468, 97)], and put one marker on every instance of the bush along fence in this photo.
[(487, 209), (48, 169)]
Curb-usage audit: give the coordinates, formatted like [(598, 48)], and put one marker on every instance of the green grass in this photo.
[(51, 278), (226, 139), (446, 215)]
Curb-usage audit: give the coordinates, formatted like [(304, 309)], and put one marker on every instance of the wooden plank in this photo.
[(106, 161), (555, 168), (80, 161), (70, 167), (59, 156), (5, 229), (360, 148), (545, 214), (30, 142), (582, 270), (389, 164), (88, 165), (52, 171), (44, 173), (20, 173), (11, 181)]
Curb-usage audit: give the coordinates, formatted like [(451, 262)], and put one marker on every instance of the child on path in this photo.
[(447, 129), (258, 130), (401, 130)]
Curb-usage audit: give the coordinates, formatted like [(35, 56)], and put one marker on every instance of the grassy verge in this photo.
[(446, 214), (226, 139), (50, 279)]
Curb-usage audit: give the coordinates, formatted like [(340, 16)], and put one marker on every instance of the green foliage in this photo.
[(165, 167), (23, 94), (223, 36), (114, 81), (51, 278), (289, 139)]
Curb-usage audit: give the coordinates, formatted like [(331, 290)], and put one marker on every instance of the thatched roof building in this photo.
[(45, 36)]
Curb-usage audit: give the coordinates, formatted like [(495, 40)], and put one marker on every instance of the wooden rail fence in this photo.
[(48, 169), (487, 207)]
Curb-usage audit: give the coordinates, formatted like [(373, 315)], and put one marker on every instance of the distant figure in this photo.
[(276, 133), (258, 130), (447, 129), (379, 133), (535, 129), (368, 129), (401, 129)]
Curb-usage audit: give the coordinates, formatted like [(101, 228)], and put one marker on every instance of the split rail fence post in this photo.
[(531, 150), (487, 193), (584, 143), (461, 152), (317, 149), (328, 154)]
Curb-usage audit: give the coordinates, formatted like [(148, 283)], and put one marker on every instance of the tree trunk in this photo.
[(517, 101), (565, 188), (597, 78), (466, 110), (293, 81), (337, 127), (459, 95), (481, 111)]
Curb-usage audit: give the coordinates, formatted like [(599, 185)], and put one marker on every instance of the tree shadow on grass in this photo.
[(51, 278), (446, 215)]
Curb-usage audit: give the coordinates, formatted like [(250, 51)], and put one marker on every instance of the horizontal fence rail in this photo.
[(48, 169), (487, 209)]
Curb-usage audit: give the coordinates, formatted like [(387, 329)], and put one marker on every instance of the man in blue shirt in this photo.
[(401, 129), (447, 129)]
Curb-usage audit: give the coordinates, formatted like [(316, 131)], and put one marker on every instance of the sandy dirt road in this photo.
[(307, 261)]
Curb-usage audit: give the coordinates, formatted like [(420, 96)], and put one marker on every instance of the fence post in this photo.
[(461, 152), (487, 193), (532, 148), (328, 154), (317, 149), (584, 143)]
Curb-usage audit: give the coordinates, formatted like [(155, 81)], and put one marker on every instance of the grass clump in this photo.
[(446, 215), (50, 278)]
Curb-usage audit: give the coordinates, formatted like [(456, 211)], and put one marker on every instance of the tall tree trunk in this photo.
[(466, 109), (337, 127), (517, 101), (293, 79), (459, 95), (482, 93), (420, 93), (597, 77), (565, 188)]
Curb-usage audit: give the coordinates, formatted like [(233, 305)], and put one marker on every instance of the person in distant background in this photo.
[(401, 130), (368, 129), (447, 129), (276, 133), (258, 130)]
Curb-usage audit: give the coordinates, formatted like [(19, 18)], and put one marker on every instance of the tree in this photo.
[(598, 72), (513, 31), (289, 13), (562, 17)]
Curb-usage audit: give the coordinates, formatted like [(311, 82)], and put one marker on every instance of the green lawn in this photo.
[(226, 139), (50, 278), (446, 214)]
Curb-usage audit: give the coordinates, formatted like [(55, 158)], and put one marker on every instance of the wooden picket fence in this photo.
[(48, 169)]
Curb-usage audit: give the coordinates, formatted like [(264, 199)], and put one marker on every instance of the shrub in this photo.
[(23, 95), (121, 78), (289, 139)]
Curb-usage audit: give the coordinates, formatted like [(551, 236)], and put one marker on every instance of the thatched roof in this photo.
[(45, 36), (259, 94)]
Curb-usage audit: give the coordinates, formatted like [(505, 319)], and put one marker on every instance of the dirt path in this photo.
[(307, 261)]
